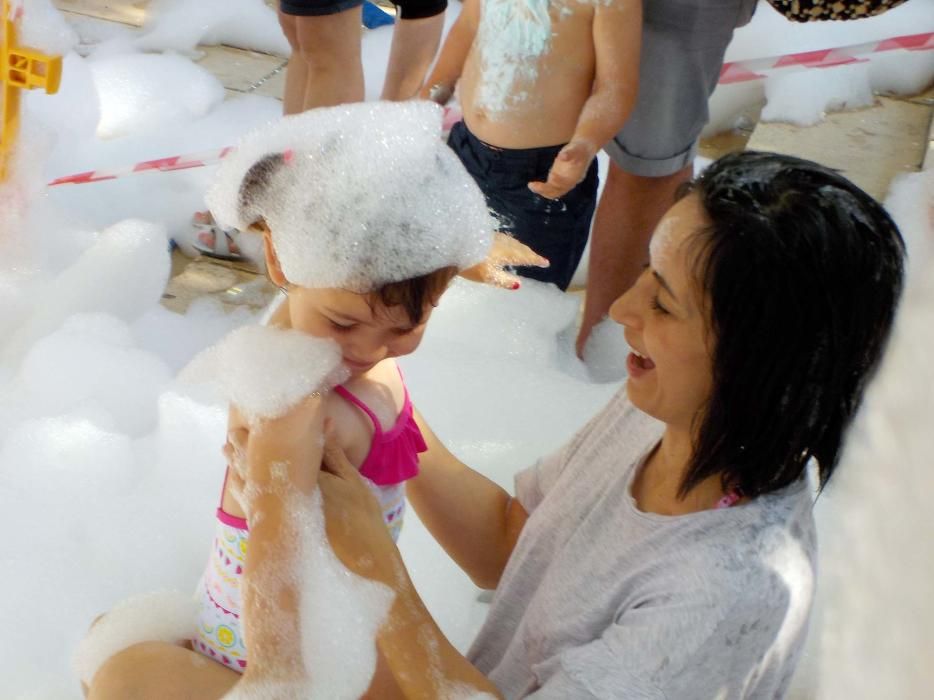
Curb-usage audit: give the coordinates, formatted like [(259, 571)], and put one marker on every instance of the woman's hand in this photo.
[(354, 522), (505, 251)]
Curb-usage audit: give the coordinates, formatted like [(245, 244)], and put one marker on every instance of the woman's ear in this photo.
[(273, 268)]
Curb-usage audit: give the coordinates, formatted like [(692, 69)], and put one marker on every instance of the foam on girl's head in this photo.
[(356, 196)]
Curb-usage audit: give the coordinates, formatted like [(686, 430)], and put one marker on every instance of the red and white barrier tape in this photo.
[(735, 72), (181, 162), (754, 69)]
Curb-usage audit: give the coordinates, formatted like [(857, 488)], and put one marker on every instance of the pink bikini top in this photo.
[(393, 455)]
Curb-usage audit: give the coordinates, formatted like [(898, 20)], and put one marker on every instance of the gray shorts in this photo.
[(683, 43)]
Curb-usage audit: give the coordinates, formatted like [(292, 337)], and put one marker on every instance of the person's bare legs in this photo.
[(628, 211), (296, 72), (160, 670), (414, 45), (329, 45)]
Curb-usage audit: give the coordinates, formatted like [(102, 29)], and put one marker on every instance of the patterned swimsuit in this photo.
[(391, 461)]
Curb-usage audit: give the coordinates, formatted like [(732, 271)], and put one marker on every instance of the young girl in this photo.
[(365, 217)]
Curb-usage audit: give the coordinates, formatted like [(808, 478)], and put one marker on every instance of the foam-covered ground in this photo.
[(109, 475)]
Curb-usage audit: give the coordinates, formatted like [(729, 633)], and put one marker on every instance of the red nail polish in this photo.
[(515, 285)]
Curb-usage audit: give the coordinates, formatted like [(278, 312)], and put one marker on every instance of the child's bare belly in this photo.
[(541, 107)]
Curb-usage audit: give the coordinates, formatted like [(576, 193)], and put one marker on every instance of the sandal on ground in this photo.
[(213, 241)]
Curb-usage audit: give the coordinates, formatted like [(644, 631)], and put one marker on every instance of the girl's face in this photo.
[(366, 335), (670, 368)]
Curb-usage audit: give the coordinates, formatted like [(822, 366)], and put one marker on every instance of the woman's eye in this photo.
[(656, 306)]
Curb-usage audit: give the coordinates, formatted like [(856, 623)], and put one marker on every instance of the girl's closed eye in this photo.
[(341, 326)]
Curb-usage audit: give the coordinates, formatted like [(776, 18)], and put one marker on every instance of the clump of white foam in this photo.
[(339, 612), (364, 195), (805, 97), (43, 27), (143, 91), (875, 573), (605, 352), (265, 371), (122, 274), (88, 364), (340, 615), (179, 25), (165, 616)]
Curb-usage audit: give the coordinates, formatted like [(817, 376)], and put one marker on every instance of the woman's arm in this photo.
[(422, 660), (450, 64), (476, 521)]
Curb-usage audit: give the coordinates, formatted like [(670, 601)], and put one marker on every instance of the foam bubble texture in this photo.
[(369, 195), (265, 371), (166, 616)]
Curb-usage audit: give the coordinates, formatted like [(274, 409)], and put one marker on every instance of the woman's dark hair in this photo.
[(802, 271)]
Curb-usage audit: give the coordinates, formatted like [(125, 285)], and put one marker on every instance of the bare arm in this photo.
[(450, 64), (278, 467), (422, 660), (617, 37), (473, 519)]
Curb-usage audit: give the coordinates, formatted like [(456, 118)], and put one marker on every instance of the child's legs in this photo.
[(160, 670)]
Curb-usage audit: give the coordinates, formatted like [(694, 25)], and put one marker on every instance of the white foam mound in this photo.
[(179, 25), (123, 274), (43, 27), (265, 371), (161, 616), (368, 195), (340, 614)]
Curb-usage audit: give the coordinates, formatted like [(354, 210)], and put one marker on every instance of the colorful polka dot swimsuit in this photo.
[(391, 461)]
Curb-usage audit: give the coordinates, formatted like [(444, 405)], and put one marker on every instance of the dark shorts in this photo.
[(555, 228), (683, 44), (316, 8), (419, 9), (406, 9)]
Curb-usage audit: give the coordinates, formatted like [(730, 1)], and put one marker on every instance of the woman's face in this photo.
[(670, 368), (366, 335)]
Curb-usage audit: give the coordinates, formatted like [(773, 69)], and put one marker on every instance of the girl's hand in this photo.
[(568, 170), (505, 251), (354, 522)]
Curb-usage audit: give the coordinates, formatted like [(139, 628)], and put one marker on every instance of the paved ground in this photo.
[(871, 145)]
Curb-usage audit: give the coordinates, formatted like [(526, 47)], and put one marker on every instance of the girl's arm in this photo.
[(422, 660), (450, 63), (278, 468), (476, 521)]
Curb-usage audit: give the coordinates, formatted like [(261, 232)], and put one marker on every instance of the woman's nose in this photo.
[(625, 311)]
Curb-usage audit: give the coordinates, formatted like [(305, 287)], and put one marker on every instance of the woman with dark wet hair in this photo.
[(668, 550)]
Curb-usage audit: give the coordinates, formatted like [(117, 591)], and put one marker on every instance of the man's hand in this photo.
[(505, 251), (569, 168)]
